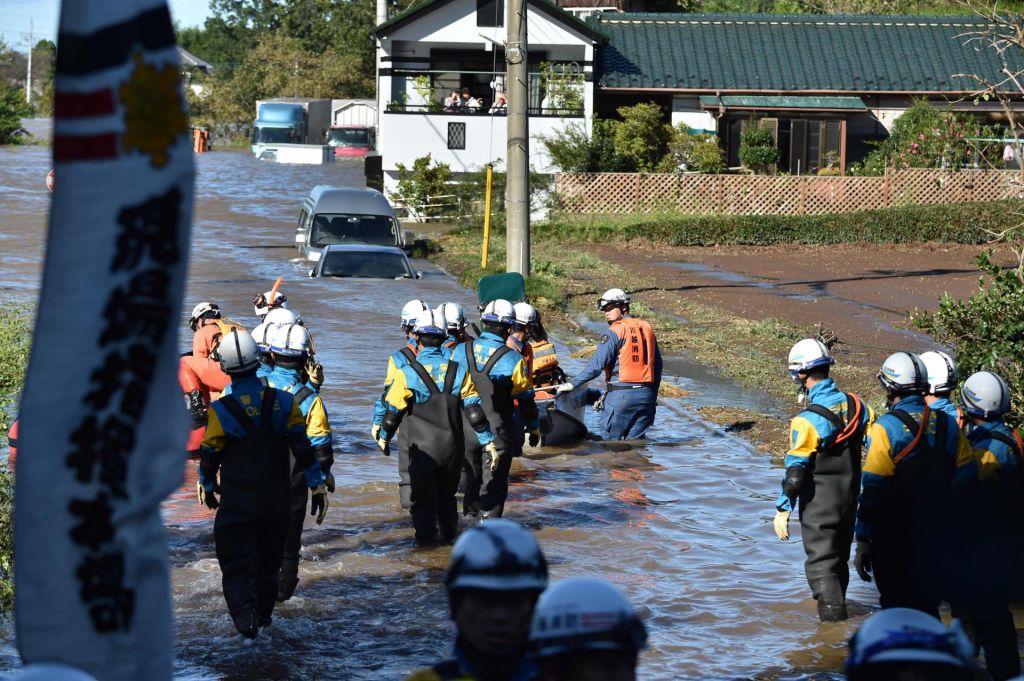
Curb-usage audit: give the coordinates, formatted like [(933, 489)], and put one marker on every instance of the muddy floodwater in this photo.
[(682, 523)]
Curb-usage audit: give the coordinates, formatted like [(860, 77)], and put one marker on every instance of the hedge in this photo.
[(963, 223)]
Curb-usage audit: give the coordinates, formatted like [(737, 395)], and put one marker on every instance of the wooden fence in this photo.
[(778, 195)]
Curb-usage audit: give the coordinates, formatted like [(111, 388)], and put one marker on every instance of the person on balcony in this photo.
[(453, 102), (500, 106)]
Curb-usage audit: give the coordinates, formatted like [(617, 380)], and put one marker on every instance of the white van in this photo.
[(346, 215)]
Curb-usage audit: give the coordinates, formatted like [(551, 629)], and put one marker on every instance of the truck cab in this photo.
[(346, 215), (352, 140), (278, 123)]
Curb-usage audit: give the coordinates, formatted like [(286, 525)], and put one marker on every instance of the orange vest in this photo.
[(207, 336), (636, 358), (544, 356)]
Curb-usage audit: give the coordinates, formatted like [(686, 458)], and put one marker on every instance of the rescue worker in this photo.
[(915, 457), (989, 553), (247, 442), (584, 629), (519, 337), (501, 379), (282, 316), (823, 473), (942, 378), (495, 574), (263, 303), (631, 350), (289, 349), (410, 313), (901, 644), (198, 373), (261, 334), (430, 394), (456, 320)]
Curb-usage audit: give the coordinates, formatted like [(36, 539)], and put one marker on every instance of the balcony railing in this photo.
[(439, 109)]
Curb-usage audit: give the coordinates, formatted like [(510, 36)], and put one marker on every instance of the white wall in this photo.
[(355, 113), (687, 111)]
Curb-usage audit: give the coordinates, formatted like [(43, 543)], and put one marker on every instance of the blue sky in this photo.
[(15, 15)]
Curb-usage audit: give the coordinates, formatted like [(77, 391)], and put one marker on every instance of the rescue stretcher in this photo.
[(561, 415)]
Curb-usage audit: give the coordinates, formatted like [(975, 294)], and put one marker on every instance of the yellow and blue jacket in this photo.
[(287, 419), (510, 369), (810, 432), (888, 438), (396, 361), (318, 427), (997, 460), (459, 668), (408, 388)]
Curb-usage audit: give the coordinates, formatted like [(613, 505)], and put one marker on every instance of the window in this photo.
[(456, 135), (490, 13)]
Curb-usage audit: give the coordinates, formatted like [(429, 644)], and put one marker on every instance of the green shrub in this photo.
[(16, 337), (12, 109), (641, 137), (699, 152), (572, 150), (757, 149), (426, 179), (987, 329), (964, 223)]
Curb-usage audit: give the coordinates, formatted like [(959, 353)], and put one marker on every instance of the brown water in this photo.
[(681, 523)]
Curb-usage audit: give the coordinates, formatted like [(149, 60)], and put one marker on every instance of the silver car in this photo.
[(361, 260), (334, 215)]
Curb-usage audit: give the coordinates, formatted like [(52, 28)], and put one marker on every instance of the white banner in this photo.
[(102, 427)]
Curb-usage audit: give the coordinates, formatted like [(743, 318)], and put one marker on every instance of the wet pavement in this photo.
[(682, 522)]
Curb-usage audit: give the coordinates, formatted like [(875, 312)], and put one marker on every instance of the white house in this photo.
[(441, 46)]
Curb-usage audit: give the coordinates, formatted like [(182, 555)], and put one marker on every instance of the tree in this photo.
[(699, 152), (757, 148), (642, 135), (425, 181), (573, 151), (12, 109)]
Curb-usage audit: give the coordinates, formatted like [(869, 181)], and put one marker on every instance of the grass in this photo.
[(16, 337)]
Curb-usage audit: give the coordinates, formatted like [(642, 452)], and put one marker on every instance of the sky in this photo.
[(15, 15)]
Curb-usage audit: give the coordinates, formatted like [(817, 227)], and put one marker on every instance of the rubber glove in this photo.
[(599, 405), (197, 408), (534, 437), (385, 445), (207, 495), (329, 483), (782, 525), (862, 560), (374, 430), (565, 388), (318, 503), (315, 372), (491, 450)]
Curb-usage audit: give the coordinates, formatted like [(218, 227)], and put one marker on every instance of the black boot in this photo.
[(286, 589), (246, 622), (196, 408), (831, 599)]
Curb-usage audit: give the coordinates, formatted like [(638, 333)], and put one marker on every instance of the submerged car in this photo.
[(332, 215), (360, 260)]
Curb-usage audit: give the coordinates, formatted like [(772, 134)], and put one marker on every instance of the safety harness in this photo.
[(449, 378), (1016, 445), (919, 431)]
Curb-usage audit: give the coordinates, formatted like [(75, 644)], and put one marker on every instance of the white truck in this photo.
[(292, 130)]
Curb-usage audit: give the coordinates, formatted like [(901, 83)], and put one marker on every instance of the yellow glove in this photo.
[(782, 525), (319, 503), (491, 450), (315, 371)]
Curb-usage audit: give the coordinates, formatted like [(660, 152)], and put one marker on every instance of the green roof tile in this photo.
[(781, 102), (789, 53)]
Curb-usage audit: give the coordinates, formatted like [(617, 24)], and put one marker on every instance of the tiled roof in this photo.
[(790, 53), (782, 102)]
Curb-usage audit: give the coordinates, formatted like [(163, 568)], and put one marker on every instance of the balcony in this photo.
[(440, 109)]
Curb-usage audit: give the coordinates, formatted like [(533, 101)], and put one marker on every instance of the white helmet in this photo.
[(525, 314), (904, 635), (291, 340), (941, 369), (431, 323), (49, 671), (810, 353), (238, 352), (411, 312), (271, 300), (903, 373), (585, 613), (453, 315), (202, 310), (613, 296), (985, 395), (261, 334), (281, 316), (499, 311), (497, 555)]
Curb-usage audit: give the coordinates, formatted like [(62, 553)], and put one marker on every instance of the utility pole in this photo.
[(517, 238), (28, 77)]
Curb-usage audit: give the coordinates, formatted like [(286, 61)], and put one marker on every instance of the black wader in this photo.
[(828, 509), (404, 491), (299, 497), (252, 520), (907, 544), (433, 430), (486, 490)]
